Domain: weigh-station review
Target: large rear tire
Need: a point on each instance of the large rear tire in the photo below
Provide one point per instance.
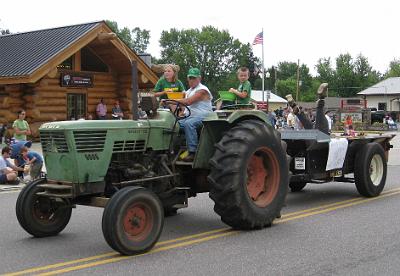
(41, 216)
(249, 176)
(133, 220)
(370, 170)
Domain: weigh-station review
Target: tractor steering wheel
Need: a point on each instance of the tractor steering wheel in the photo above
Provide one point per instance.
(176, 111)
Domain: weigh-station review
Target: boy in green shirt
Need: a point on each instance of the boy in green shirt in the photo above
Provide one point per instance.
(243, 92)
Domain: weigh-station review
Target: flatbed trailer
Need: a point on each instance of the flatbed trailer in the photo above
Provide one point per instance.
(316, 157)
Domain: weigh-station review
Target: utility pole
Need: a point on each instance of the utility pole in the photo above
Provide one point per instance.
(297, 82)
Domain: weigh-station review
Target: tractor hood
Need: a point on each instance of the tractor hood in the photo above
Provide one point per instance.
(163, 119)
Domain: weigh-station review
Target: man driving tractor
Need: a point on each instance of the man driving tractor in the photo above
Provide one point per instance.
(198, 99)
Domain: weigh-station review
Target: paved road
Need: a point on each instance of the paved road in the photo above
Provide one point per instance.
(326, 229)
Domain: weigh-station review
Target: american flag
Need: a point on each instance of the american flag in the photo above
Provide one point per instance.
(258, 39)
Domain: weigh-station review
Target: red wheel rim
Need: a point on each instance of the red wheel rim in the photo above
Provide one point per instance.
(43, 211)
(138, 221)
(263, 177)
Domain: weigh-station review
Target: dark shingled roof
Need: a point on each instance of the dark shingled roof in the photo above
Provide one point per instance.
(22, 53)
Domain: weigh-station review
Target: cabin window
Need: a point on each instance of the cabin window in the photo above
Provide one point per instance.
(91, 62)
(382, 106)
(76, 106)
(66, 64)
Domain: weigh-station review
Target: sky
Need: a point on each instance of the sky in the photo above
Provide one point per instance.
(306, 30)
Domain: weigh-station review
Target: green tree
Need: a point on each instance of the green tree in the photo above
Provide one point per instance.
(216, 53)
(287, 70)
(140, 39)
(287, 73)
(285, 87)
(136, 39)
(364, 75)
(4, 32)
(345, 80)
(325, 72)
(394, 69)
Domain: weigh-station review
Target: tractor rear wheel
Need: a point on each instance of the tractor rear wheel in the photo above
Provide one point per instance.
(370, 170)
(41, 216)
(133, 220)
(249, 176)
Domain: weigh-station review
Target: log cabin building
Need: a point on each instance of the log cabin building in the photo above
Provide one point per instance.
(62, 73)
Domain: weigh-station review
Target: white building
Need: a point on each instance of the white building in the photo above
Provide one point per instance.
(275, 102)
(384, 95)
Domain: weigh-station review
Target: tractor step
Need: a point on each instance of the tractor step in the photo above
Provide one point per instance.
(56, 190)
(55, 186)
(182, 163)
(61, 195)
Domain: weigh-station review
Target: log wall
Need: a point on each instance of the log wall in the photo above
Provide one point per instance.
(46, 100)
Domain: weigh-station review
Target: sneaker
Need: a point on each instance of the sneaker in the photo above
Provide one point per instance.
(189, 158)
(323, 91)
(290, 100)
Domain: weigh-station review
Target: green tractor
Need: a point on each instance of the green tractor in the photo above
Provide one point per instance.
(132, 169)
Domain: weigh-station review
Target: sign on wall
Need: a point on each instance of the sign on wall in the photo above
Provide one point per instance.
(355, 116)
(76, 80)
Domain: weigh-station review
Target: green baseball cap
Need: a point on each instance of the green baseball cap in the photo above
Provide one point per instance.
(194, 72)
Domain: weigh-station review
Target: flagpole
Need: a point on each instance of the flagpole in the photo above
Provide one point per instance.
(263, 68)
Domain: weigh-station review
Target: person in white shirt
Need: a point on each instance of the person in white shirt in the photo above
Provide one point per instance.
(328, 118)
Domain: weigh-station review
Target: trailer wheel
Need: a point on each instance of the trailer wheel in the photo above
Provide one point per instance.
(370, 170)
(249, 176)
(133, 220)
(41, 216)
(297, 186)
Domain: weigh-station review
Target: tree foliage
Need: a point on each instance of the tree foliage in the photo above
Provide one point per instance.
(216, 53)
(136, 39)
(286, 82)
(349, 75)
(394, 69)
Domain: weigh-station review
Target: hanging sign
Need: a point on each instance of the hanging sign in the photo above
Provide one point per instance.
(76, 80)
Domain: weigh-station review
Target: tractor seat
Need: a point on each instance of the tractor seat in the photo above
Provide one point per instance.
(149, 103)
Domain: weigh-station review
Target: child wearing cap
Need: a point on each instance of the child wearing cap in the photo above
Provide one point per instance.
(169, 82)
(34, 159)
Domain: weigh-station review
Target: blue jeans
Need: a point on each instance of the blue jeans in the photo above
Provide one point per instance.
(190, 126)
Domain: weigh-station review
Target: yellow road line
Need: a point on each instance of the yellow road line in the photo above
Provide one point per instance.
(334, 204)
(37, 269)
(160, 245)
(193, 236)
(327, 210)
(160, 249)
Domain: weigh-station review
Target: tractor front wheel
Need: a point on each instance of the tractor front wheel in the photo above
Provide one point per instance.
(133, 220)
(41, 216)
(249, 176)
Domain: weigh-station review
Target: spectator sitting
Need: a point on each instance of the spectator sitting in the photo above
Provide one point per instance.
(391, 123)
(117, 113)
(8, 173)
(34, 159)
